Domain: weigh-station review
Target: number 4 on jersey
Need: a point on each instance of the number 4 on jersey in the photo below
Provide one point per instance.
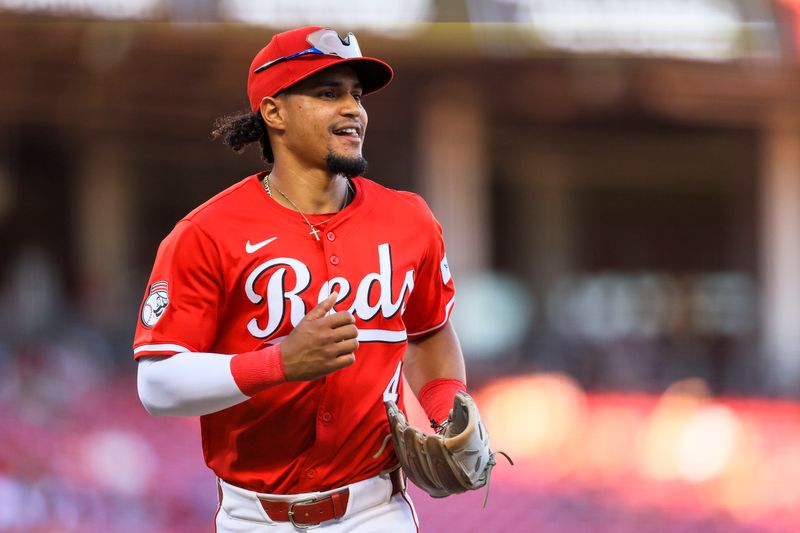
(390, 394)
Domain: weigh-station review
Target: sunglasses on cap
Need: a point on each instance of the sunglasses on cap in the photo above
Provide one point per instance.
(323, 42)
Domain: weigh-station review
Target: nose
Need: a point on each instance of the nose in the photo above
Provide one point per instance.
(351, 107)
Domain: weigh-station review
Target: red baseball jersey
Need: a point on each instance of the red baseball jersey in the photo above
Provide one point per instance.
(240, 271)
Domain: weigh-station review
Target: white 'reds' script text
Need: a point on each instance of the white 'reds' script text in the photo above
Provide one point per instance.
(279, 297)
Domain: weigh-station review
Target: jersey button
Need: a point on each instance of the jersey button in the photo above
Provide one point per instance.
(334, 260)
(310, 473)
(331, 236)
(327, 417)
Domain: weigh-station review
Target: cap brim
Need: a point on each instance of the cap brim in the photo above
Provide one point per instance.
(373, 73)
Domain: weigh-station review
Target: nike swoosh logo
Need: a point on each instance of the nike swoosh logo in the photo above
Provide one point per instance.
(251, 248)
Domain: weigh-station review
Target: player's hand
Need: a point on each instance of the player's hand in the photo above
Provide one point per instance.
(320, 344)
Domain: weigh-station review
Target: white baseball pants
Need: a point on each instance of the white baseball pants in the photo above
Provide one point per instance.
(371, 508)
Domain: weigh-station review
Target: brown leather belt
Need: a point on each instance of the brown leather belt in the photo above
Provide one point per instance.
(311, 512)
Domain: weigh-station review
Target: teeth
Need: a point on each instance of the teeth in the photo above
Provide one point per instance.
(346, 130)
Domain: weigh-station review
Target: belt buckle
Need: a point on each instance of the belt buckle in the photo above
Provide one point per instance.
(291, 514)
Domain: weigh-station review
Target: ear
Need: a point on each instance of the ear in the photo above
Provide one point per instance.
(273, 112)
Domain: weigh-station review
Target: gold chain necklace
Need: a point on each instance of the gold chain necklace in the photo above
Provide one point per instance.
(314, 231)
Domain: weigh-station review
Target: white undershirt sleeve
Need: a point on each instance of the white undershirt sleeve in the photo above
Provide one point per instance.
(187, 384)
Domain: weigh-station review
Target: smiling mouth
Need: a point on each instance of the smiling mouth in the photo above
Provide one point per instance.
(351, 132)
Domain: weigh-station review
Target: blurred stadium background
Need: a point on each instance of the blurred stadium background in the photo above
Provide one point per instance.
(619, 185)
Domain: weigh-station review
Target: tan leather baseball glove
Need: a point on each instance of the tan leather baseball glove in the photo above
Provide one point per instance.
(454, 460)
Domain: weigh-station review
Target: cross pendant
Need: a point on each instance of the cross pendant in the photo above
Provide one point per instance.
(314, 231)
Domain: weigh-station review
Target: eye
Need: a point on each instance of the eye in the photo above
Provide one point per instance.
(328, 93)
(357, 97)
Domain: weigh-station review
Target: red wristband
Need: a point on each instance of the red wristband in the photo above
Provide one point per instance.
(436, 397)
(257, 371)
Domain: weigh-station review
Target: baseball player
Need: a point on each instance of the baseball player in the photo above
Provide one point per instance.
(283, 310)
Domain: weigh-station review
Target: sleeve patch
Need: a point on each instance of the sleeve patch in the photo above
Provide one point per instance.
(156, 303)
(445, 270)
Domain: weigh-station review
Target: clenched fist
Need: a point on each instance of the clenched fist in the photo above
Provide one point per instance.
(320, 344)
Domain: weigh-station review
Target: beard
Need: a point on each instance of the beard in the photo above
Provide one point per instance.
(350, 167)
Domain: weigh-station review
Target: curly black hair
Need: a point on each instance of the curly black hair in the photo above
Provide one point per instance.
(241, 129)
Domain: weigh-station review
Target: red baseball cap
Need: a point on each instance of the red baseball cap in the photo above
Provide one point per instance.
(294, 55)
